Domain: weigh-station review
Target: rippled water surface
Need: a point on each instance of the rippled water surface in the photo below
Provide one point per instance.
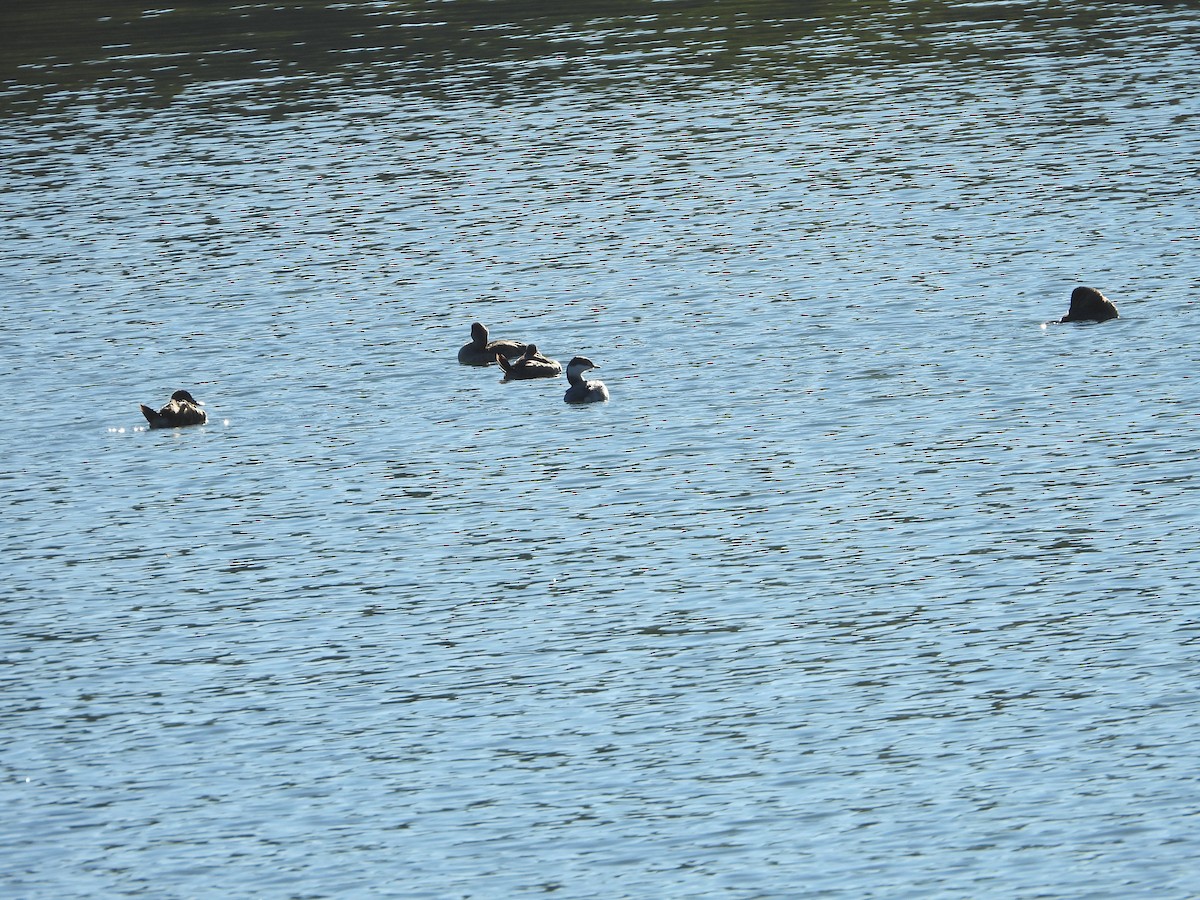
(868, 582)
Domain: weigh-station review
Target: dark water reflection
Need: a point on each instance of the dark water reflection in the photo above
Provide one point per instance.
(155, 53)
(131, 53)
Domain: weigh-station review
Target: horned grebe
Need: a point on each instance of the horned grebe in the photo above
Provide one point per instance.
(582, 391)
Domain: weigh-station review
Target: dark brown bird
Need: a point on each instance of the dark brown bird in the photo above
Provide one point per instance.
(531, 365)
(482, 352)
(1089, 305)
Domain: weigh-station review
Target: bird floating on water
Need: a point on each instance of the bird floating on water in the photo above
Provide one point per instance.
(530, 365)
(1089, 305)
(482, 352)
(582, 391)
(183, 409)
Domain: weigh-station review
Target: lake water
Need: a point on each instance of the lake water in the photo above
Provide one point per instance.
(868, 582)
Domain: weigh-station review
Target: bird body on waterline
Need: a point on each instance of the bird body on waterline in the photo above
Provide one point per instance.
(1089, 305)
(183, 409)
(530, 365)
(582, 391)
(482, 352)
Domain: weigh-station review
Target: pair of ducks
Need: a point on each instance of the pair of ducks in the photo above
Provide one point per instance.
(523, 361)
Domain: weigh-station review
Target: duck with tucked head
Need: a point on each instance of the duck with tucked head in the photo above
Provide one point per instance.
(582, 391)
(531, 365)
(1089, 305)
(482, 352)
(183, 409)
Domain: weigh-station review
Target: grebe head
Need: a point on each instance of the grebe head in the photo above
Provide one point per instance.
(578, 365)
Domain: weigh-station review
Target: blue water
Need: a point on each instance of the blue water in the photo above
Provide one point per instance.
(870, 581)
